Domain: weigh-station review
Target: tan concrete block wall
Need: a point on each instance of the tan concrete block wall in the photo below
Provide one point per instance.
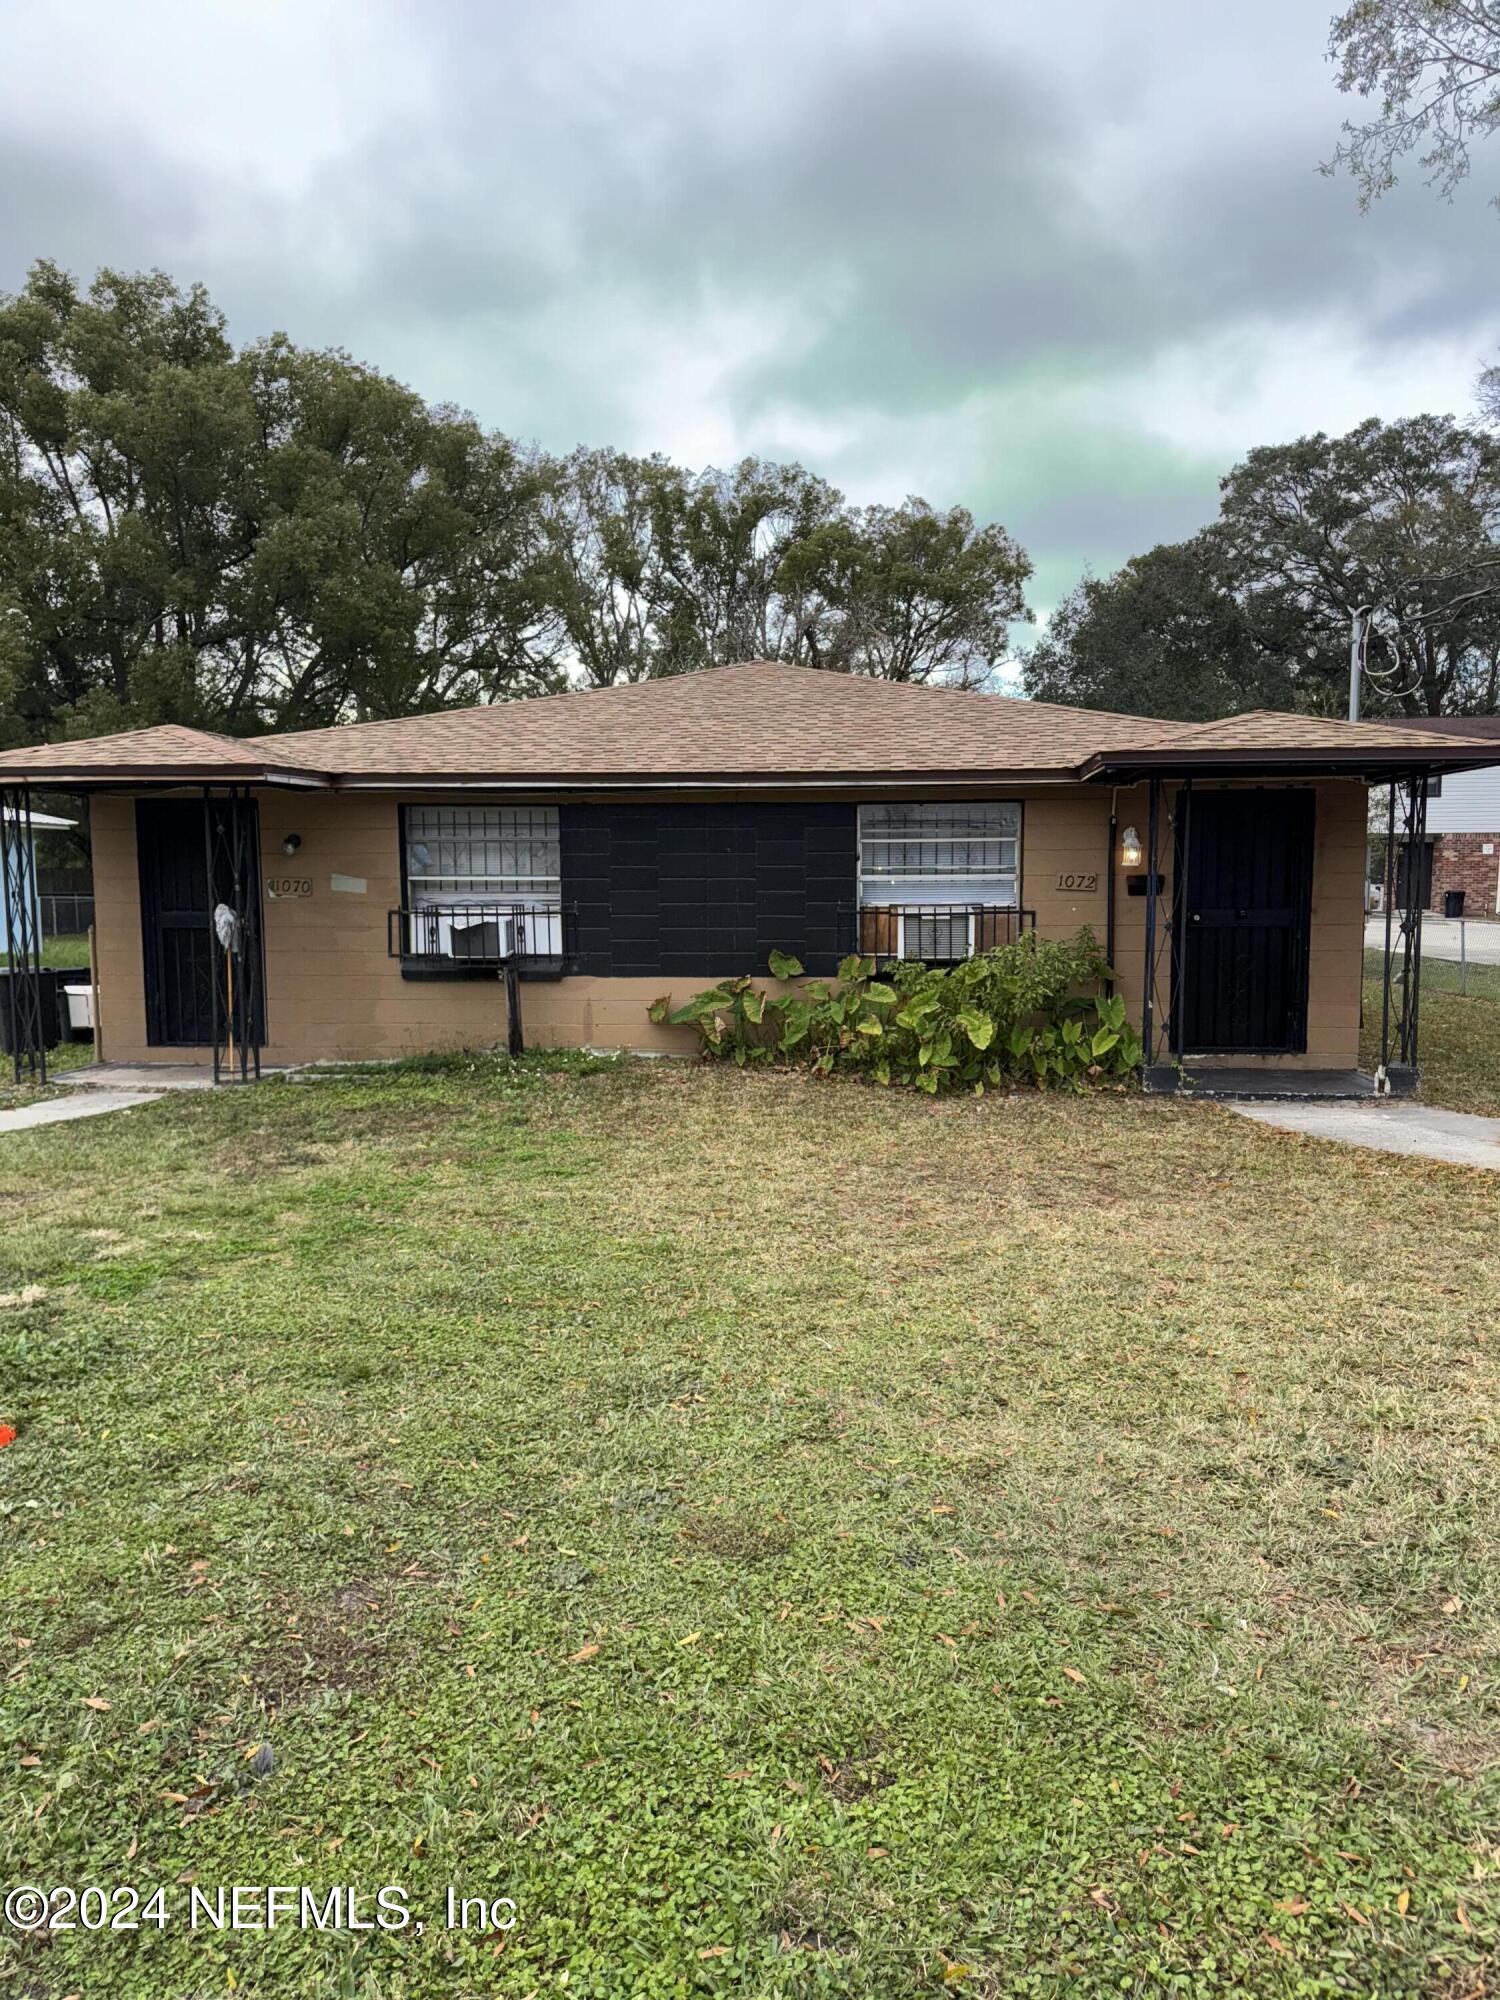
(332, 991)
(1336, 951)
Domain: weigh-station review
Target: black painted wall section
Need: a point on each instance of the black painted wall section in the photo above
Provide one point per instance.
(699, 889)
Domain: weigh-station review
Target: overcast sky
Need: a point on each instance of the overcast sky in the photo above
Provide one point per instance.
(1060, 263)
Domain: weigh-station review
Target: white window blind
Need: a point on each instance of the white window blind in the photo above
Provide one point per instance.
(953, 853)
(490, 878)
(483, 854)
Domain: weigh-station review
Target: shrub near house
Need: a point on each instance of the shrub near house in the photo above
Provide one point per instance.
(1031, 1011)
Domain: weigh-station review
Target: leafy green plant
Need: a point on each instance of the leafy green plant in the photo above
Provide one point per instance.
(1030, 1011)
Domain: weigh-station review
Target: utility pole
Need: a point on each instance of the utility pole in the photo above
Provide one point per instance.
(1358, 628)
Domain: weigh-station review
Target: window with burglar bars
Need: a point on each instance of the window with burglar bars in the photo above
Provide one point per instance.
(952, 853)
(484, 854)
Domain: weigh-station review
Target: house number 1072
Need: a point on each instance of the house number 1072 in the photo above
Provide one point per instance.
(1079, 885)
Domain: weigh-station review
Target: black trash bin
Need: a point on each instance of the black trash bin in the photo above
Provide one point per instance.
(51, 1025)
(1453, 902)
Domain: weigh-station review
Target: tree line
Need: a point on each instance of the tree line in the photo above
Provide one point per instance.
(268, 537)
(1257, 610)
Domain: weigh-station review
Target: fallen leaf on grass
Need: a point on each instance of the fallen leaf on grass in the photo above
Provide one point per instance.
(95, 1701)
(583, 1653)
(1074, 1675)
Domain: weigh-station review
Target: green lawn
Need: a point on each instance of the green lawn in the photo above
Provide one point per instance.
(1459, 1046)
(59, 951)
(794, 1539)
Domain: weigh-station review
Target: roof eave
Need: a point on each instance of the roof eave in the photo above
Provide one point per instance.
(1385, 761)
(63, 777)
(698, 781)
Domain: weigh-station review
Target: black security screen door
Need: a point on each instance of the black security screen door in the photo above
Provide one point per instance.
(1245, 866)
(176, 937)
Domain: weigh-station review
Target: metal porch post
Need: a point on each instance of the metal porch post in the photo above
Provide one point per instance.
(1389, 901)
(1148, 1004)
(213, 935)
(22, 924)
(1415, 910)
(1184, 821)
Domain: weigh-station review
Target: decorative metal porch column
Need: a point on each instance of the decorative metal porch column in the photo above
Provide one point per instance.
(1165, 939)
(1148, 963)
(28, 1036)
(1404, 848)
(232, 871)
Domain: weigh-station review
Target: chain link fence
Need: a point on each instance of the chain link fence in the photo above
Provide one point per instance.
(1459, 954)
(65, 915)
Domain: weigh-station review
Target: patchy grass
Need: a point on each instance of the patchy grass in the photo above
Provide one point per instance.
(1460, 1042)
(64, 951)
(793, 1539)
(66, 1056)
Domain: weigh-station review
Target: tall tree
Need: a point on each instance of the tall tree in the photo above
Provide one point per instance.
(274, 537)
(1398, 519)
(603, 519)
(1166, 635)
(1434, 67)
(733, 586)
(926, 595)
(242, 540)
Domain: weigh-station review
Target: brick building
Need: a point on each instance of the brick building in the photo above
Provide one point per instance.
(1463, 822)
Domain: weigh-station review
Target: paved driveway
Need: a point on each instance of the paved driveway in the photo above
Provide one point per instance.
(1444, 939)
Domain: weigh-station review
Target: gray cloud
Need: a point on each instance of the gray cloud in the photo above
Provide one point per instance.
(1061, 269)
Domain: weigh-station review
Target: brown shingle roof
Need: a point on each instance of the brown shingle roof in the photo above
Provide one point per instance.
(167, 747)
(1486, 727)
(761, 722)
(1273, 729)
(760, 719)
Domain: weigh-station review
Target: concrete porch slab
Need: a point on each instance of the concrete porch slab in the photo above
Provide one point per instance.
(151, 1077)
(1419, 1131)
(1277, 1085)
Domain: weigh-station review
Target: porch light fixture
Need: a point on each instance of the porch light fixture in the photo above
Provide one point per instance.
(1130, 848)
(292, 842)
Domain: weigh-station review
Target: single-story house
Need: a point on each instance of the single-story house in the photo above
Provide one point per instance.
(375, 889)
(18, 846)
(1462, 851)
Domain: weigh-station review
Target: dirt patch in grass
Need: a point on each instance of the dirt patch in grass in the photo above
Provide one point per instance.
(350, 1640)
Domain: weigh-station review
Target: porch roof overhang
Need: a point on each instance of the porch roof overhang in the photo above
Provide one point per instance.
(159, 777)
(1377, 764)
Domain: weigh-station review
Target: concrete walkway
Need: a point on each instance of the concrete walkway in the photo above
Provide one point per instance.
(62, 1110)
(1420, 1131)
(99, 1087)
